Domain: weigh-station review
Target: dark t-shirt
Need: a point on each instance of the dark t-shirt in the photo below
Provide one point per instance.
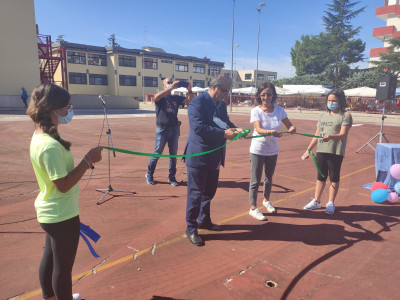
(167, 110)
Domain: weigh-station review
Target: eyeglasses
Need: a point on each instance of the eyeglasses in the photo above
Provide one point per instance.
(170, 82)
(222, 90)
(68, 107)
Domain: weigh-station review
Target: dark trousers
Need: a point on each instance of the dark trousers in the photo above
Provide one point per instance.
(201, 188)
(58, 258)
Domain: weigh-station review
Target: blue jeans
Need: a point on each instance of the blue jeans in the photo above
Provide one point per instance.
(165, 135)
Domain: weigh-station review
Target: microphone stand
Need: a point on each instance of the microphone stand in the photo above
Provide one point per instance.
(109, 141)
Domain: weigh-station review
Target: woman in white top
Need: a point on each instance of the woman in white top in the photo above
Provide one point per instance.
(267, 118)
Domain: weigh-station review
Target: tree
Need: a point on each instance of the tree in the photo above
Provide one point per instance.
(344, 49)
(60, 39)
(367, 78)
(309, 79)
(112, 41)
(390, 62)
(309, 54)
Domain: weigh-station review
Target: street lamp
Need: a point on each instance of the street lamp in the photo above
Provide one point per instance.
(258, 38)
(233, 41)
(235, 58)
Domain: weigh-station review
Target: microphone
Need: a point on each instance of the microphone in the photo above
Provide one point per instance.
(102, 100)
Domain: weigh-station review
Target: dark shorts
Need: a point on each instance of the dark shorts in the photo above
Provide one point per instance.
(329, 164)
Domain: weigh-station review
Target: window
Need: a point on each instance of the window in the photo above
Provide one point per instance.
(127, 61)
(247, 76)
(97, 60)
(271, 77)
(127, 80)
(98, 79)
(150, 81)
(182, 67)
(199, 83)
(199, 69)
(150, 63)
(76, 57)
(77, 78)
(260, 76)
(215, 71)
(164, 61)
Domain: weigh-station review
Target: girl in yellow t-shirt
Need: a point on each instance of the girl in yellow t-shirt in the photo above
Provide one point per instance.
(57, 203)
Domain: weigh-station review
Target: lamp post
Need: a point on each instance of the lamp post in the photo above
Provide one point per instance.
(258, 39)
(236, 46)
(233, 41)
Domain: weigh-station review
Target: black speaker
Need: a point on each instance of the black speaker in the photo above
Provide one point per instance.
(386, 88)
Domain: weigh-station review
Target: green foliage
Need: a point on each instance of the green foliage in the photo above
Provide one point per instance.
(331, 52)
(309, 55)
(309, 79)
(367, 78)
(112, 41)
(390, 62)
(60, 39)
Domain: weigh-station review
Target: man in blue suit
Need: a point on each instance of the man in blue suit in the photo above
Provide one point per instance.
(203, 170)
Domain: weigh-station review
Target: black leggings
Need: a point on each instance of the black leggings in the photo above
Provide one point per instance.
(329, 162)
(58, 258)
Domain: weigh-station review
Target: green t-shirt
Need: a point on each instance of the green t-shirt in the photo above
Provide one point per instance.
(331, 124)
(50, 161)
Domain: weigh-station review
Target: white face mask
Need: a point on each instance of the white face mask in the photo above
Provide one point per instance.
(168, 86)
(67, 118)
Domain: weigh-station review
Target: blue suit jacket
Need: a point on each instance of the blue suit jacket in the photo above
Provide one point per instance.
(204, 134)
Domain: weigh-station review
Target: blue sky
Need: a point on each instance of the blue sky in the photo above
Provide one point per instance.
(200, 28)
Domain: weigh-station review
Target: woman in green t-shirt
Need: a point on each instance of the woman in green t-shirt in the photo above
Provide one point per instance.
(333, 126)
(57, 203)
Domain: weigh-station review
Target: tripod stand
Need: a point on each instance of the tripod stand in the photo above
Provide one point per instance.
(109, 141)
(380, 133)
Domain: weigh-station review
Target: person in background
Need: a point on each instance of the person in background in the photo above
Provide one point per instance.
(333, 126)
(167, 127)
(267, 118)
(57, 203)
(203, 171)
(24, 96)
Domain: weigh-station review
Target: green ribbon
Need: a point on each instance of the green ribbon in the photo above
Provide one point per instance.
(269, 134)
(240, 134)
(315, 163)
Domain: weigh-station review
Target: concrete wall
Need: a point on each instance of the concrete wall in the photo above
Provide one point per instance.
(19, 62)
(93, 101)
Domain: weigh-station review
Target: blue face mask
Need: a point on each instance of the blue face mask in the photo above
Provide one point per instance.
(67, 118)
(332, 106)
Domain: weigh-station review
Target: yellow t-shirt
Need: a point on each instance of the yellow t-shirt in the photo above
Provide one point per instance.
(50, 161)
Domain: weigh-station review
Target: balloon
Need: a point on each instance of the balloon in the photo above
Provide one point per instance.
(395, 171)
(397, 187)
(380, 195)
(378, 185)
(393, 197)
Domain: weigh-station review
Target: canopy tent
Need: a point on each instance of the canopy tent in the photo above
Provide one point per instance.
(179, 90)
(245, 91)
(281, 91)
(361, 92)
(398, 92)
(306, 90)
(197, 89)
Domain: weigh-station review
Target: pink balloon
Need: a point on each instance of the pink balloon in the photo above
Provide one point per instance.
(378, 185)
(393, 197)
(395, 171)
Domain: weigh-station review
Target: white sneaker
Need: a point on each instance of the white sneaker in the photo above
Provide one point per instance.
(76, 297)
(330, 208)
(312, 205)
(256, 214)
(269, 207)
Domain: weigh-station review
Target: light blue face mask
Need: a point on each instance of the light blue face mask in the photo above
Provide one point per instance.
(333, 106)
(67, 118)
